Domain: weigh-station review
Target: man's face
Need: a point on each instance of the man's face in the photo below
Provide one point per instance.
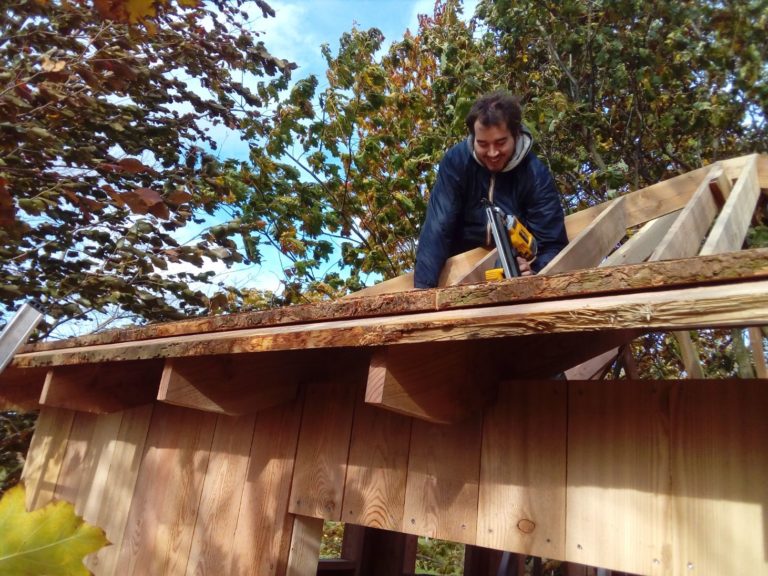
(494, 145)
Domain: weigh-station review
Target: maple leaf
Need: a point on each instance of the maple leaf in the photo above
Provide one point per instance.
(52, 540)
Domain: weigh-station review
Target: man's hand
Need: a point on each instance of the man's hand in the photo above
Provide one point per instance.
(524, 266)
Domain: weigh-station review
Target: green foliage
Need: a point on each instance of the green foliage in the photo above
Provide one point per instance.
(16, 430)
(621, 97)
(102, 130)
(52, 540)
(618, 98)
(439, 557)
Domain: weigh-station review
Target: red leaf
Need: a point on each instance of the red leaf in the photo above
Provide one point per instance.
(7, 209)
(133, 166)
(141, 200)
(179, 197)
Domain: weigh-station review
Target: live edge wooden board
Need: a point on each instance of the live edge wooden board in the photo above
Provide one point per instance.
(219, 445)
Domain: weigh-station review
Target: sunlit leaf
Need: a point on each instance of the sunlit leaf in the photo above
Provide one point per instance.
(52, 540)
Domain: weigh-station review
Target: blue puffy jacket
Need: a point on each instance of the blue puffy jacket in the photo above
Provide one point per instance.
(456, 219)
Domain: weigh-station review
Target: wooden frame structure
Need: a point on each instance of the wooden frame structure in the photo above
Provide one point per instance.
(219, 445)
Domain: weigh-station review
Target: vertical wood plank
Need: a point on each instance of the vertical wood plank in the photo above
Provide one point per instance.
(667, 477)
(162, 518)
(263, 534)
(374, 491)
(93, 483)
(73, 466)
(212, 540)
(323, 450)
(441, 493)
(719, 470)
(46, 455)
(618, 475)
(305, 546)
(522, 473)
(109, 505)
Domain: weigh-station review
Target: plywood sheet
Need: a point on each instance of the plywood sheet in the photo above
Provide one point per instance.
(263, 534)
(443, 477)
(522, 474)
(374, 490)
(163, 512)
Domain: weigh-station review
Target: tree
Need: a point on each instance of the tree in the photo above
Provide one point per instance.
(621, 97)
(347, 168)
(106, 150)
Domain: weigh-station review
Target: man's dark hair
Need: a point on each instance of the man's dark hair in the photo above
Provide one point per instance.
(495, 109)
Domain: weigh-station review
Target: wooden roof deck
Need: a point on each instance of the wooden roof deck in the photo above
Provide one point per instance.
(280, 411)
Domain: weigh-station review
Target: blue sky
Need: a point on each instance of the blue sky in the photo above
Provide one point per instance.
(296, 33)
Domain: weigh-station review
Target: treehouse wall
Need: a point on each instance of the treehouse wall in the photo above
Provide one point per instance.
(647, 477)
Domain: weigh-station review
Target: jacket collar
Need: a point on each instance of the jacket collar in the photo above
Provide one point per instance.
(523, 146)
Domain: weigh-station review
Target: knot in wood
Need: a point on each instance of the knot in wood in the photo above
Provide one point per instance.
(526, 526)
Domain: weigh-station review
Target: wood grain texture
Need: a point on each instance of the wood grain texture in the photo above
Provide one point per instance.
(233, 385)
(437, 382)
(74, 464)
(593, 243)
(732, 224)
(441, 494)
(723, 305)
(642, 243)
(522, 473)
(716, 268)
(212, 540)
(305, 546)
(374, 489)
(684, 237)
(455, 270)
(102, 389)
(20, 389)
(109, 500)
(668, 474)
(719, 466)
(321, 457)
(46, 455)
(263, 535)
(618, 477)
(161, 522)
(666, 196)
(641, 206)
(592, 367)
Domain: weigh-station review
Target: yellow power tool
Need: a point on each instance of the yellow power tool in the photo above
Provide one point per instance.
(512, 239)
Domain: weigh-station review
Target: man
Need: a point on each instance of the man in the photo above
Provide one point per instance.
(494, 163)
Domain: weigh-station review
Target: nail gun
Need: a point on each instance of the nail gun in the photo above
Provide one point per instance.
(512, 239)
(18, 330)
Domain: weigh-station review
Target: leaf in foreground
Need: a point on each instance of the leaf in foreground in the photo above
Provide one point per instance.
(52, 540)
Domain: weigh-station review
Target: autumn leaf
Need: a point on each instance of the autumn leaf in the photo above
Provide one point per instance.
(133, 166)
(141, 200)
(52, 540)
(7, 209)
